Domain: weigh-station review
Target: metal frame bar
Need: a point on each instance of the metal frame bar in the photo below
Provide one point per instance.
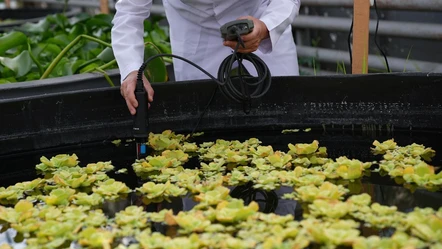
(415, 5)
(156, 8)
(390, 28)
(374, 61)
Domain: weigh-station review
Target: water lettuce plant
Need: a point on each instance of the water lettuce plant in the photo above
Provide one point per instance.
(159, 192)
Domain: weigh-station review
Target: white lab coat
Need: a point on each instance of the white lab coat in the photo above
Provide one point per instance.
(195, 35)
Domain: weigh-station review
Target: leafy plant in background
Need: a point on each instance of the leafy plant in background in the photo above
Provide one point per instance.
(57, 46)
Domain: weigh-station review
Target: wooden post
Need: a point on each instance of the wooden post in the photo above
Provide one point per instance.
(361, 32)
(104, 6)
(8, 4)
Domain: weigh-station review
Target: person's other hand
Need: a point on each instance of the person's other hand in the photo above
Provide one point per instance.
(253, 39)
(128, 91)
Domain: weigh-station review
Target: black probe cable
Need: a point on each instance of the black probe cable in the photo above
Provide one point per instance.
(376, 37)
(224, 81)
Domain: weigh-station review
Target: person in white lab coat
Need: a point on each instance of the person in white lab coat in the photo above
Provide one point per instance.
(194, 34)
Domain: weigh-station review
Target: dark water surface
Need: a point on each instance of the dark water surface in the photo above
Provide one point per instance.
(340, 141)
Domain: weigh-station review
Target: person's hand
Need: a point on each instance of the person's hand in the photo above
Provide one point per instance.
(128, 91)
(253, 39)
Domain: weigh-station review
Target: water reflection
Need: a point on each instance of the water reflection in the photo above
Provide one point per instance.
(404, 199)
(10, 237)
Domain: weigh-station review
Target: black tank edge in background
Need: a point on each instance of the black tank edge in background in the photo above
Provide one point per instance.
(20, 16)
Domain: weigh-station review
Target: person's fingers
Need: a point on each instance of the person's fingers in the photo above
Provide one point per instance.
(231, 44)
(149, 90)
(129, 95)
(250, 47)
(249, 43)
(130, 107)
(129, 100)
(246, 51)
(250, 36)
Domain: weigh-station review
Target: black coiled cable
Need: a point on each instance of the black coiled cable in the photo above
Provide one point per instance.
(242, 94)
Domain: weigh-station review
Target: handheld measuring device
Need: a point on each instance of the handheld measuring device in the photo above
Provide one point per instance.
(141, 120)
(231, 30)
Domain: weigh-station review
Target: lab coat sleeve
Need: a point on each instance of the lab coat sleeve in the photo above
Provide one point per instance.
(278, 15)
(127, 34)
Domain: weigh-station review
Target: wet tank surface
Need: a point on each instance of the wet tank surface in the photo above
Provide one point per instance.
(343, 141)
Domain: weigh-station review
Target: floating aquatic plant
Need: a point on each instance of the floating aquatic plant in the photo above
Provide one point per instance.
(261, 151)
(12, 194)
(56, 162)
(167, 140)
(99, 167)
(84, 199)
(92, 237)
(331, 234)
(303, 148)
(189, 222)
(397, 240)
(158, 192)
(212, 197)
(73, 179)
(153, 164)
(348, 169)
(424, 224)
(133, 216)
(286, 131)
(185, 178)
(122, 171)
(216, 166)
(111, 189)
(408, 164)
(59, 196)
(266, 181)
(279, 160)
(236, 177)
(234, 211)
(327, 191)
